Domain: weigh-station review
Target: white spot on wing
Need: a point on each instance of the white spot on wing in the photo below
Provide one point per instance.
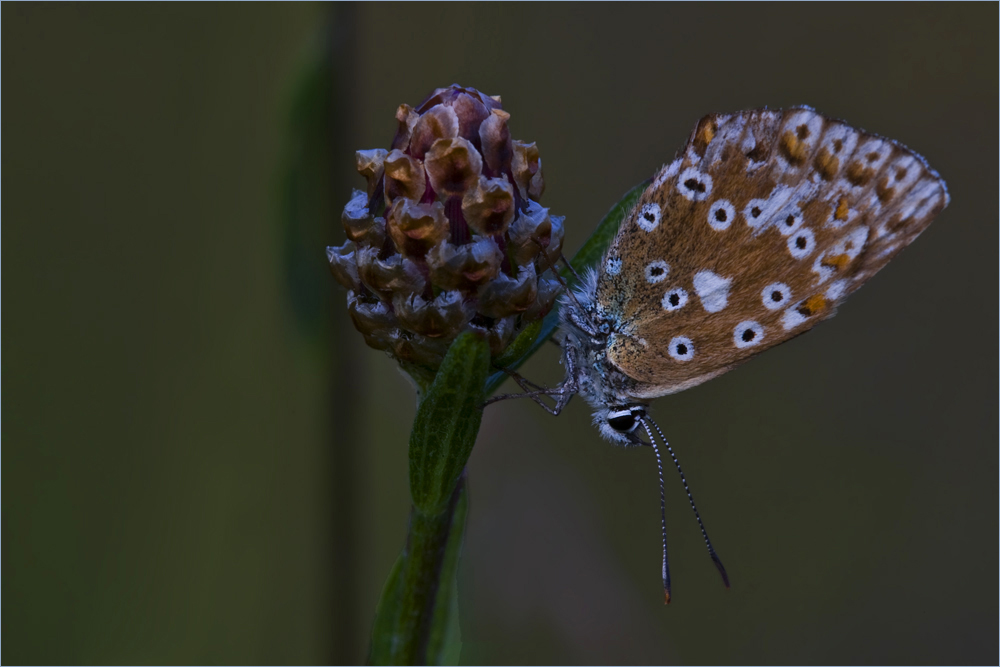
(801, 243)
(613, 266)
(681, 348)
(649, 216)
(694, 185)
(674, 299)
(656, 271)
(759, 212)
(836, 289)
(721, 215)
(775, 295)
(792, 318)
(712, 289)
(789, 219)
(747, 334)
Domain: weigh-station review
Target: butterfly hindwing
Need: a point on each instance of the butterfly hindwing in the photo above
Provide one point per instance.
(756, 232)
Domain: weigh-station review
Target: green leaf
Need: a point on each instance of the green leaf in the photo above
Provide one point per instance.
(587, 257)
(446, 424)
(519, 346)
(387, 617)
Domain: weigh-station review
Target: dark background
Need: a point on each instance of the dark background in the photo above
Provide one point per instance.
(202, 462)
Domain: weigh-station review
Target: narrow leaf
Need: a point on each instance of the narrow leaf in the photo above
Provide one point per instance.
(387, 617)
(519, 346)
(447, 422)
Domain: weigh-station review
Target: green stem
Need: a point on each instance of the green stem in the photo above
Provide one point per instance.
(425, 592)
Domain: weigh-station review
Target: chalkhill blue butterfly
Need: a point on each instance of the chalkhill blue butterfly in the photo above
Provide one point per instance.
(758, 230)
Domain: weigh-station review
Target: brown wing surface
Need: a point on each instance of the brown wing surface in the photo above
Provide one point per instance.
(764, 224)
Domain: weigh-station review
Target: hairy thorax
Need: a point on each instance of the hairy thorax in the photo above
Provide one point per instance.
(586, 335)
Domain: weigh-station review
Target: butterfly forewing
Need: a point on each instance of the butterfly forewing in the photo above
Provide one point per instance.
(761, 227)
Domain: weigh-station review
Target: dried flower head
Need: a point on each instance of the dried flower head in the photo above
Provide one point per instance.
(448, 235)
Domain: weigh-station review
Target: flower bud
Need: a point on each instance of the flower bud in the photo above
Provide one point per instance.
(453, 166)
(416, 349)
(393, 275)
(416, 228)
(508, 296)
(527, 168)
(449, 236)
(359, 225)
(548, 292)
(407, 118)
(442, 317)
(499, 335)
(489, 207)
(404, 177)
(372, 318)
(343, 265)
(529, 234)
(495, 140)
(441, 122)
(466, 266)
(371, 165)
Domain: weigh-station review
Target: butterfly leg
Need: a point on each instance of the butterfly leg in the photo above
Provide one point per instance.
(560, 394)
(570, 267)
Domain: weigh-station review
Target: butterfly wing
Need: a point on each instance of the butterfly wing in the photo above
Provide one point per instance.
(764, 224)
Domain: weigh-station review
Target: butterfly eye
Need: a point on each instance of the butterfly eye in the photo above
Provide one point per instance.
(747, 333)
(613, 266)
(681, 348)
(622, 421)
(694, 185)
(649, 217)
(674, 299)
(721, 215)
(657, 272)
(801, 243)
(775, 295)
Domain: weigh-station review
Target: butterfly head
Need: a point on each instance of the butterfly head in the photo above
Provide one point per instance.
(618, 424)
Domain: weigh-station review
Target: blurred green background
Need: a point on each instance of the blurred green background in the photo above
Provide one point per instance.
(202, 462)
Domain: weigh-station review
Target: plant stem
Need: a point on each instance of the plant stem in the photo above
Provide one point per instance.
(423, 588)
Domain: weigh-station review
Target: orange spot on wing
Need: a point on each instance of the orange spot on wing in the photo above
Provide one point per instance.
(813, 305)
(837, 261)
(704, 135)
(793, 148)
(826, 164)
(858, 174)
(841, 212)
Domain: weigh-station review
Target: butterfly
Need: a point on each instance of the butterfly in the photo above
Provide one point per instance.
(758, 230)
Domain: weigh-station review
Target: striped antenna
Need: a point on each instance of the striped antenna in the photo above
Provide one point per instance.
(708, 543)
